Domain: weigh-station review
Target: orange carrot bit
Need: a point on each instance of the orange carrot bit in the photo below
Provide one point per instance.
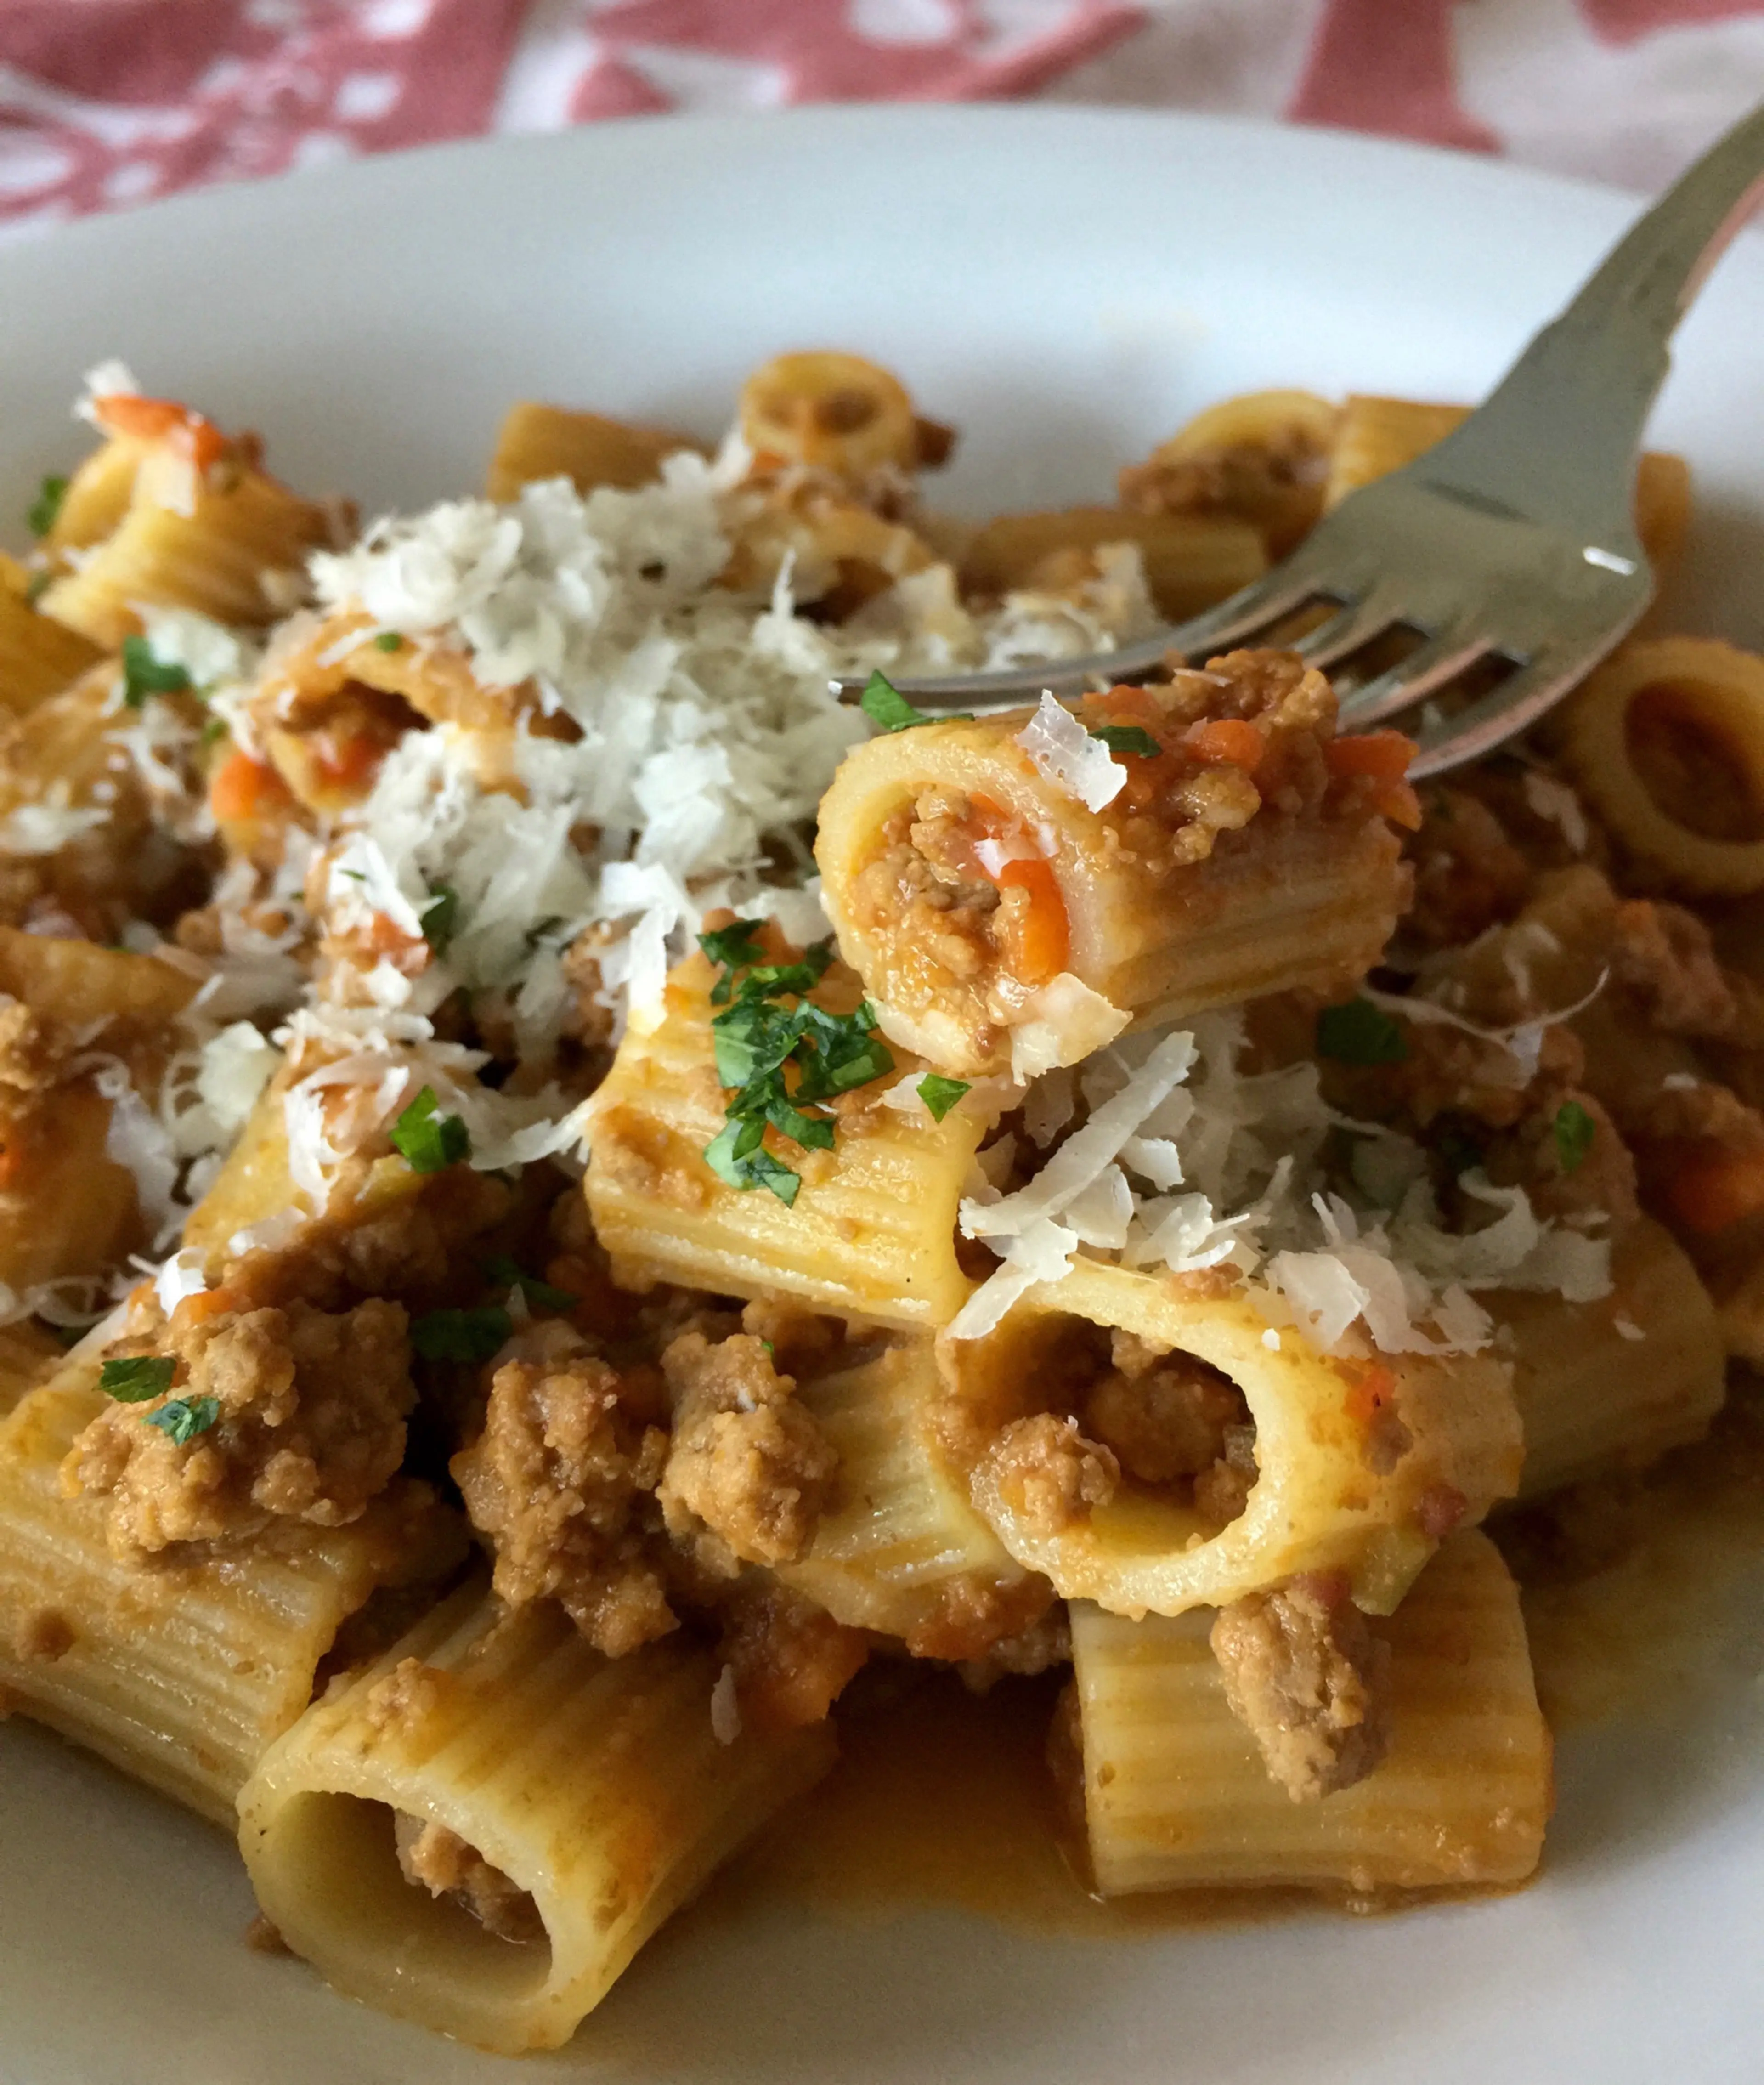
(14, 1159)
(1380, 756)
(162, 419)
(1383, 755)
(244, 788)
(1225, 742)
(350, 762)
(1707, 1189)
(1370, 1388)
(1042, 931)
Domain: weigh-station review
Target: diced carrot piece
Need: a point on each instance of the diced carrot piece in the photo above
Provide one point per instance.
(1401, 806)
(1044, 933)
(1707, 1189)
(161, 419)
(244, 788)
(1370, 1389)
(1383, 755)
(348, 763)
(1225, 742)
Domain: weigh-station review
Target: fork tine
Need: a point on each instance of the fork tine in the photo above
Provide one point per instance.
(1412, 680)
(1252, 607)
(1358, 621)
(1507, 710)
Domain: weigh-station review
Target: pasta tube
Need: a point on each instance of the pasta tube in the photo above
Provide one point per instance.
(538, 441)
(1619, 1381)
(85, 1033)
(171, 513)
(901, 1548)
(1175, 1795)
(871, 1231)
(581, 1800)
(1263, 458)
(181, 1674)
(1237, 848)
(1667, 740)
(1358, 1466)
(1381, 435)
(39, 656)
(1190, 561)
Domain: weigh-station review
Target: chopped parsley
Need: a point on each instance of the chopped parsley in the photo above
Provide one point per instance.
(884, 704)
(940, 1094)
(133, 1380)
(214, 730)
(1128, 738)
(428, 1141)
(1574, 1129)
(1359, 1033)
(460, 1335)
(767, 1029)
(143, 674)
(506, 1272)
(183, 1418)
(47, 505)
(37, 585)
(439, 918)
(387, 641)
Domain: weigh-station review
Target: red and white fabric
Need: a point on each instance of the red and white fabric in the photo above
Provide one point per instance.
(105, 104)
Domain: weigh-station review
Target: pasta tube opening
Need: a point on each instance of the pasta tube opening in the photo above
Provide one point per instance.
(1666, 741)
(1232, 1456)
(574, 1800)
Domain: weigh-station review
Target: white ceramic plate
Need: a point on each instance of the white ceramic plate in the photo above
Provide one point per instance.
(1067, 286)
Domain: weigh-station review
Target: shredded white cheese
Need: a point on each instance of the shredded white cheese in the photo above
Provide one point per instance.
(1068, 756)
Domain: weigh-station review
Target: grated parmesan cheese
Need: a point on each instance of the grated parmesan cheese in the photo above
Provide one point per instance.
(1376, 1267)
(1068, 756)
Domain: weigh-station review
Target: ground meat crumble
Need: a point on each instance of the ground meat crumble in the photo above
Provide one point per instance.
(560, 1481)
(748, 1469)
(311, 1427)
(441, 1861)
(1307, 1677)
(1045, 1471)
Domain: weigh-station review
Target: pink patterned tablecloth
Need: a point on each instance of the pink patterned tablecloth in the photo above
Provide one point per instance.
(105, 103)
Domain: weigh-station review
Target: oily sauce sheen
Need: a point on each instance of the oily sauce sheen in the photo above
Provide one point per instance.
(1634, 1595)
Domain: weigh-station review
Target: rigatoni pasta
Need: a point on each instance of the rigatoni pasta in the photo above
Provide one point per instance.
(579, 1330)
(180, 1676)
(1360, 1467)
(1174, 1796)
(1012, 891)
(601, 1791)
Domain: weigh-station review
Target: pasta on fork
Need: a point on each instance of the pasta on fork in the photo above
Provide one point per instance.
(577, 1216)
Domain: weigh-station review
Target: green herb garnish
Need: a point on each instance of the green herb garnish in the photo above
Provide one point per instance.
(430, 1142)
(1574, 1129)
(144, 674)
(884, 704)
(767, 1030)
(460, 1335)
(439, 918)
(940, 1094)
(387, 641)
(183, 1418)
(504, 1271)
(1128, 738)
(36, 586)
(133, 1380)
(47, 505)
(214, 730)
(1359, 1033)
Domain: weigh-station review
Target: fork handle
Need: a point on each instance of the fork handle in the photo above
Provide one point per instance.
(1558, 438)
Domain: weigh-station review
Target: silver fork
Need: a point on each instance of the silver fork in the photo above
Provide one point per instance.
(1511, 541)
